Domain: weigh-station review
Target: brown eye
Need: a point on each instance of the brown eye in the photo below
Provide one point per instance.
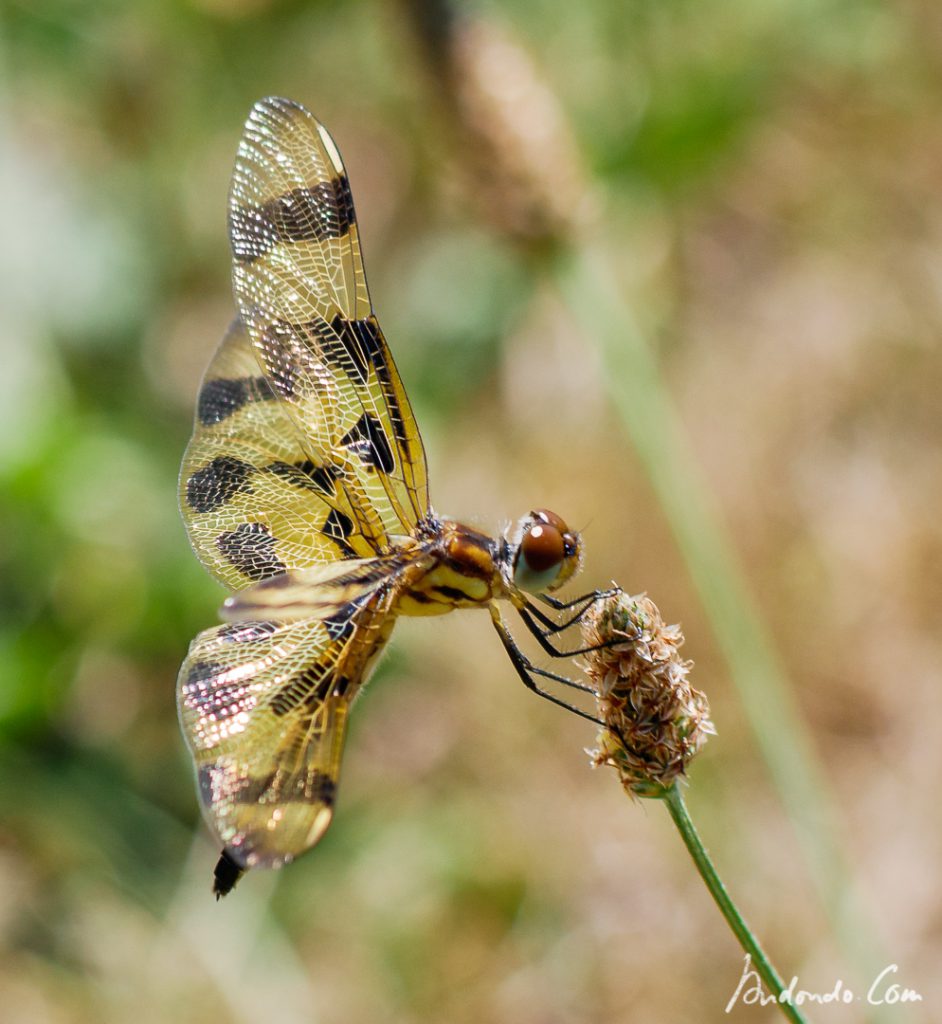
(545, 516)
(542, 547)
(547, 554)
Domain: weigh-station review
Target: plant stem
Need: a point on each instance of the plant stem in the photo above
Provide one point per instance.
(596, 297)
(750, 944)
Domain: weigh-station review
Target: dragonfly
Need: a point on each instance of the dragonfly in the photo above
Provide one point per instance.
(304, 491)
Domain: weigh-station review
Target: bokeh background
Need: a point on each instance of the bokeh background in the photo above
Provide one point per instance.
(672, 269)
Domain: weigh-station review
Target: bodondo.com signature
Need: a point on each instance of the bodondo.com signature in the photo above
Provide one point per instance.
(884, 990)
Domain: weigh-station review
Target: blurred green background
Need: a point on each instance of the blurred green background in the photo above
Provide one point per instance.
(763, 184)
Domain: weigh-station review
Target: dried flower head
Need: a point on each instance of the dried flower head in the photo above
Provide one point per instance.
(655, 721)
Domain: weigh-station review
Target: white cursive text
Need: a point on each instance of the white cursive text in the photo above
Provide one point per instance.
(882, 992)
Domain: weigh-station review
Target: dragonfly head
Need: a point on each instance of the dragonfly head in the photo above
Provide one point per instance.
(546, 552)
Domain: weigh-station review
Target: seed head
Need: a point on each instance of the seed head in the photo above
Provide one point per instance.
(655, 721)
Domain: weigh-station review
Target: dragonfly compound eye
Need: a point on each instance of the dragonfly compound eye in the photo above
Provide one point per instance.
(548, 553)
(542, 547)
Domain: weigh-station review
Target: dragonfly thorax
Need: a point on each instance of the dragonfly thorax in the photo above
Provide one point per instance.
(461, 569)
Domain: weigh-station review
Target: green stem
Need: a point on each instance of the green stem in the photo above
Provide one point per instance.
(750, 944)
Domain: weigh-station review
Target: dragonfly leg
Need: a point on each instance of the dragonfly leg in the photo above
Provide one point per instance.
(550, 625)
(543, 627)
(528, 671)
(594, 595)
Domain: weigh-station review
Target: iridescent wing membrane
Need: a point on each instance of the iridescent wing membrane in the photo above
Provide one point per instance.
(305, 452)
(255, 498)
(299, 284)
(305, 447)
(264, 707)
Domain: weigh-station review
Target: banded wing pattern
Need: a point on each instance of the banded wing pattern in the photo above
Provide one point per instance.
(304, 472)
(264, 708)
(301, 291)
(254, 500)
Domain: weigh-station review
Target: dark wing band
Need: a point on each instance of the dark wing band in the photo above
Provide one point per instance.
(299, 283)
(264, 710)
(256, 498)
